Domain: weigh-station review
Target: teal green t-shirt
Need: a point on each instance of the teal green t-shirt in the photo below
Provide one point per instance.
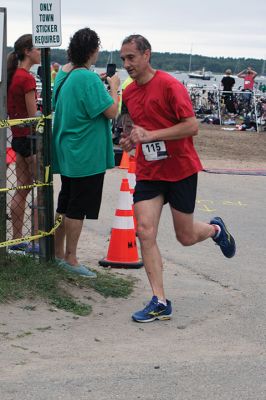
(82, 138)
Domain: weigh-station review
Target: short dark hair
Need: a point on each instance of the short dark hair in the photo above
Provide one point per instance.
(141, 42)
(82, 45)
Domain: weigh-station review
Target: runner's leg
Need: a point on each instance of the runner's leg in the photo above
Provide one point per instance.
(148, 214)
(18, 203)
(188, 231)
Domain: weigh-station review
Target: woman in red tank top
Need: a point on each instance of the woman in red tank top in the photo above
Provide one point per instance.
(21, 103)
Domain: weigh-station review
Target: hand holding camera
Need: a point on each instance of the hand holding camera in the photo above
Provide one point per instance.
(113, 82)
(112, 79)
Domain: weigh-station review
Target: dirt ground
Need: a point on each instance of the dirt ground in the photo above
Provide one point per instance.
(220, 148)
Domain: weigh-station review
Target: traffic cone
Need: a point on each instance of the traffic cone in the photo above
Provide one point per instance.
(131, 176)
(124, 164)
(10, 156)
(123, 251)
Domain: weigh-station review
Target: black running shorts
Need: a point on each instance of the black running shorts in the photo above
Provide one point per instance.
(181, 195)
(24, 146)
(81, 198)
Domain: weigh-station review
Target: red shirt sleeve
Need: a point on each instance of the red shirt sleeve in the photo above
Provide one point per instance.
(29, 84)
(180, 101)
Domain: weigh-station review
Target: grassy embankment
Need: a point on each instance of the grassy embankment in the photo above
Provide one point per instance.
(23, 277)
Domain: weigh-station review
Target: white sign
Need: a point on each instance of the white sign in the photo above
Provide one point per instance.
(46, 23)
(2, 20)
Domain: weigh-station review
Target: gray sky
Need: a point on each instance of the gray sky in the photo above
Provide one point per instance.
(213, 28)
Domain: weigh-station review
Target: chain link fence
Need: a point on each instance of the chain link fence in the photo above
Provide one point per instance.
(18, 213)
(28, 191)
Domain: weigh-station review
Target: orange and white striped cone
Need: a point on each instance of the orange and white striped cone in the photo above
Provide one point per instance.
(131, 176)
(123, 251)
(124, 164)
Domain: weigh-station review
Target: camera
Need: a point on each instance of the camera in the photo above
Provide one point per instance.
(110, 70)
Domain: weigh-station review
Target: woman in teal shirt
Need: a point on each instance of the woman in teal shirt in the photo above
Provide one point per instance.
(82, 143)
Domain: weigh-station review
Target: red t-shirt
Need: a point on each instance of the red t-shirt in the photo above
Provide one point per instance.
(22, 83)
(249, 82)
(159, 104)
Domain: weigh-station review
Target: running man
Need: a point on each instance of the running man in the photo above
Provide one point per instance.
(167, 167)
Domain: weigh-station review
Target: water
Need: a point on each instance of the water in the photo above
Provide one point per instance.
(213, 83)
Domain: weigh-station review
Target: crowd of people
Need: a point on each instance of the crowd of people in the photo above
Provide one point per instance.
(167, 164)
(228, 82)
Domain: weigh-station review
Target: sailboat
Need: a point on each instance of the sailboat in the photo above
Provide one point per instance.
(200, 74)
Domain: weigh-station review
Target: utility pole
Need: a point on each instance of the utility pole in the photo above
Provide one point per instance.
(48, 17)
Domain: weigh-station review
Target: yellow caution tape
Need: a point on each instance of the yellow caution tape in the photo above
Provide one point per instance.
(34, 237)
(37, 184)
(8, 123)
(47, 173)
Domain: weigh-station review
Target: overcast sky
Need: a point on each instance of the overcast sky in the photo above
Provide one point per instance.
(210, 27)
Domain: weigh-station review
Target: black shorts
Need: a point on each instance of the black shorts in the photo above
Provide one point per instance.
(181, 195)
(25, 146)
(81, 198)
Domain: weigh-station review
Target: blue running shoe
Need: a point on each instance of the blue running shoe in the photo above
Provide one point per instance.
(225, 240)
(154, 310)
(19, 247)
(33, 248)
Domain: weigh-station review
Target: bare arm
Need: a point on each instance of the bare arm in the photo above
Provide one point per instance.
(31, 105)
(114, 83)
(185, 128)
(241, 74)
(254, 73)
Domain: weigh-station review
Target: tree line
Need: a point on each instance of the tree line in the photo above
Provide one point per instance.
(173, 61)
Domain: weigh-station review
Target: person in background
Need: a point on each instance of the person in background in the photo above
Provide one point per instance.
(126, 82)
(228, 82)
(249, 76)
(21, 103)
(249, 80)
(166, 169)
(54, 72)
(40, 72)
(82, 143)
(262, 87)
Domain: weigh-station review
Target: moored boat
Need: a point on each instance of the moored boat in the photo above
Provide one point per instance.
(201, 74)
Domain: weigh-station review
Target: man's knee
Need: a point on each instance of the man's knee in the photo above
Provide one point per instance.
(145, 232)
(185, 238)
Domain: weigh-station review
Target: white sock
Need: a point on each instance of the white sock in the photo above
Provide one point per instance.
(218, 231)
(162, 302)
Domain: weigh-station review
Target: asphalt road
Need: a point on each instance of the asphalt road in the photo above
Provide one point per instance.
(212, 349)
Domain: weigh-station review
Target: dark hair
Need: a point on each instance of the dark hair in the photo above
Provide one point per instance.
(23, 43)
(141, 42)
(82, 45)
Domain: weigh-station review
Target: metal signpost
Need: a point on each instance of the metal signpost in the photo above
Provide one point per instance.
(46, 33)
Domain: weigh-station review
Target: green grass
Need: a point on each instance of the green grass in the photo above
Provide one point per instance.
(23, 277)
